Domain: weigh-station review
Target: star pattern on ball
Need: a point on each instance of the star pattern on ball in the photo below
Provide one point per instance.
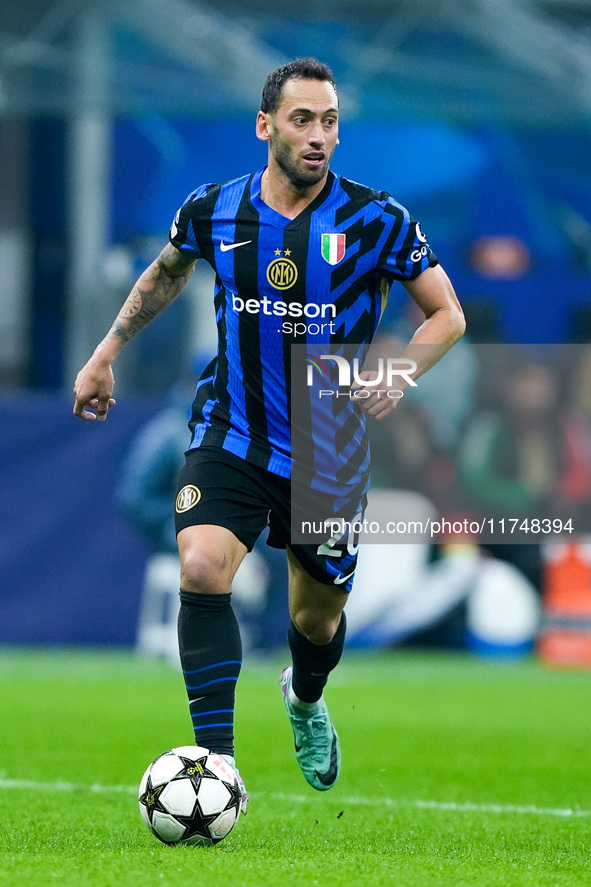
(193, 770)
(151, 798)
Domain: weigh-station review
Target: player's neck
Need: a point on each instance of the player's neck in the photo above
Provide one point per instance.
(281, 195)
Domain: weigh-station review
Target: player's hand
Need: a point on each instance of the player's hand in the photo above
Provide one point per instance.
(379, 401)
(93, 389)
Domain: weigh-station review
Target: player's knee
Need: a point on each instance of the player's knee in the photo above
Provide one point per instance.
(204, 571)
(317, 627)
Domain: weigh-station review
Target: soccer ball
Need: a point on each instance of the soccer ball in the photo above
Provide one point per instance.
(190, 795)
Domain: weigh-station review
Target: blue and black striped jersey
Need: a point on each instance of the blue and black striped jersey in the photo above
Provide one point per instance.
(320, 280)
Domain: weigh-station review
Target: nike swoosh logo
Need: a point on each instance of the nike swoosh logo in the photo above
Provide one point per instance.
(331, 774)
(340, 579)
(227, 246)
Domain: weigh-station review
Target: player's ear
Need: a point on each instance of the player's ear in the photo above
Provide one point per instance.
(264, 127)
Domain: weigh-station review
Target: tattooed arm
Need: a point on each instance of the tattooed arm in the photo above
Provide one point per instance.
(155, 289)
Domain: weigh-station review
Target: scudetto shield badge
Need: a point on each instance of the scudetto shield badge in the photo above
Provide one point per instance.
(333, 248)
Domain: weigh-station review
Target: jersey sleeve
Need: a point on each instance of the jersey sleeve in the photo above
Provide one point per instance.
(183, 231)
(409, 254)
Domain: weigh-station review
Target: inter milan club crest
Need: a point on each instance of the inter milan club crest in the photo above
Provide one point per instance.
(333, 248)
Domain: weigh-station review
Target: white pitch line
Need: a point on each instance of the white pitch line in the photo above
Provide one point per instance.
(446, 806)
(352, 801)
(60, 786)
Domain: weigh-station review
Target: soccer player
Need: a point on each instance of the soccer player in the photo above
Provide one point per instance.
(300, 255)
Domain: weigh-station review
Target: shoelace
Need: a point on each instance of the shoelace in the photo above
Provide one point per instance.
(314, 725)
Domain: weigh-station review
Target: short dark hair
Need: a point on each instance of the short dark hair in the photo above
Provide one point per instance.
(306, 68)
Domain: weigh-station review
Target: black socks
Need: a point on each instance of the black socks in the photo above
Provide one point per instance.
(211, 657)
(312, 663)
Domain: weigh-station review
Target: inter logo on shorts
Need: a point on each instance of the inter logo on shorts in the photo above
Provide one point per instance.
(282, 273)
(187, 498)
(333, 247)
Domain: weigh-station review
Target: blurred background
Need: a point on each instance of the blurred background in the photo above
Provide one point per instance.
(475, 114)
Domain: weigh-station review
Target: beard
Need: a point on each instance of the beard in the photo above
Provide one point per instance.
(300, 178)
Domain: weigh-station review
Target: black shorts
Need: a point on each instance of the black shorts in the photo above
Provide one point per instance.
(216, 487)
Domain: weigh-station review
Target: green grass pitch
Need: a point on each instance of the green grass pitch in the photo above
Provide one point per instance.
(455, 772)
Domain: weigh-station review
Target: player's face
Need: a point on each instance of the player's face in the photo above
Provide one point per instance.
(304, 131)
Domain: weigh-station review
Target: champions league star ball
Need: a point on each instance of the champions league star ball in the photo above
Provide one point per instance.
(190, 795)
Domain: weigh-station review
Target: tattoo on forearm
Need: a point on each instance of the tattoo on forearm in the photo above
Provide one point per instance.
(133, 305)
(152, 293)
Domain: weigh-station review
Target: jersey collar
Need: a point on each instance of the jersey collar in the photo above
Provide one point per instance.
(272, 215)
